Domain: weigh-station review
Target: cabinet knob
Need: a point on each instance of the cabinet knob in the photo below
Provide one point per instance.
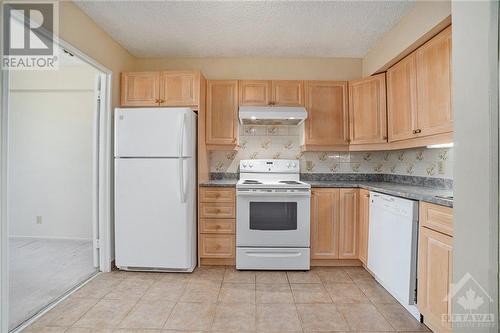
(217, 195)
(161, 101)
(417, 131)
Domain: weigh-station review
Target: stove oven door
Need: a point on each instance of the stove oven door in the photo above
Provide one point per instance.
(270, 218)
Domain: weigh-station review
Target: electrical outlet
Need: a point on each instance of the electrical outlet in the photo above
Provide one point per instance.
(38, 219)
(441, 167)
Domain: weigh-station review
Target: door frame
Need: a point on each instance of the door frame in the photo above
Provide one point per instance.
(104, 190)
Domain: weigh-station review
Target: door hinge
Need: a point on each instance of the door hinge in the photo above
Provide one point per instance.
(97, 243)
(415, 295)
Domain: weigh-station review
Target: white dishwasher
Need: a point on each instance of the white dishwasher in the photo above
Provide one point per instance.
(392, 247)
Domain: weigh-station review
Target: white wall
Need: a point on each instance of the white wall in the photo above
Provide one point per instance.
(475, 99)
(51, 152)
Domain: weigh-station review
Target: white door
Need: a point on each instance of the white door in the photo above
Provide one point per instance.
(154, 132)
(153, 221)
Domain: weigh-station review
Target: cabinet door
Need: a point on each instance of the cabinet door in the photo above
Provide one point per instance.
(256, 93)
(367, 110)
(140, 89)
(348, 233)
(179, 88)
(434, 277)
(434, 104)
(364, 218)
(222, 112)
(287, 93)
(402, 99)
(324, 223)
(327, 119)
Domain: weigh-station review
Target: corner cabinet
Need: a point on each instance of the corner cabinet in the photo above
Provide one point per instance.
(166, 88)
(435, 259)
(222, 114)
(326, 126)
(367, 110)
(334, 223)
(269, 93)
(419, 91)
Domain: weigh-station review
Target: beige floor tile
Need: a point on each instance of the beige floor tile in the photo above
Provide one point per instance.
(233, 275)
(277, 318)
(191, 316)
(310, 293)
(176, 277)
(303, 277)
(89, 330)
(358, 273)
(321, 317)
(136, 330)
(275, 293)
(364, 317)
(208, 273)
(130, 289)
(66, 313)
(165, 290)
(375, 292)
(148, 314)
(234, 318)
(139, 275)
(97, 288)
(342, 293)
(237, 293)
(46, 330)
(271, 277)
(106, 314)
(400, 318)
(332, 274)
(201, 291)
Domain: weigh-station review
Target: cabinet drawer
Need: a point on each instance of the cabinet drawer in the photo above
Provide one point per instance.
(224, 210)
(436, 217)
(217, 226)
(217, 195)
(217, 246)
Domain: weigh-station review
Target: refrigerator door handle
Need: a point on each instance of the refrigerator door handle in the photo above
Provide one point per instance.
(181, 160)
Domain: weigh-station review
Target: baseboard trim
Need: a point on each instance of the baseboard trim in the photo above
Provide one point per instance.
(335, 262)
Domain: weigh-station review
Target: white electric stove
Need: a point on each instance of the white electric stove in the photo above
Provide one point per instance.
(273, 216)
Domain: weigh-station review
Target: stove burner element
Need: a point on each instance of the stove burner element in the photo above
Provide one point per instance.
(252, 182)
(289, 182)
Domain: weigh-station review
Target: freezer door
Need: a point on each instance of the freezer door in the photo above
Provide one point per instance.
(155, 132)
(154, 214)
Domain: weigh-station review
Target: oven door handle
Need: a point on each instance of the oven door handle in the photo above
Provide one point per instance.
(274, 194)
(273, 254)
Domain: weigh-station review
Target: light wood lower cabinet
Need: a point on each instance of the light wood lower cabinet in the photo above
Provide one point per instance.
(334, 223)
(364, 219)
(217, 226)
(435, 258)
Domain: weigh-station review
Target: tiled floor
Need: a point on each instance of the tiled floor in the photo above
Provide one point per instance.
(225, 300)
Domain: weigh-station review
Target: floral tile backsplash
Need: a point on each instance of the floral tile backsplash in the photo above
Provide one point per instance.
(283, 142)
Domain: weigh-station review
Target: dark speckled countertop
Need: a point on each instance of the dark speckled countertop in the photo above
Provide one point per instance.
(414, 192)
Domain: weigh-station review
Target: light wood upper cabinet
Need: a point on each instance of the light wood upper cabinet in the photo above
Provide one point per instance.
(140, 89)
(364, 218)
(256, 92)
(327, 121)
(222, 112)
(367, 110)
(179, 88)
(434, 77)
(348, 231)
(287, 93)
(434, 278)
(402, 99)
(324, 223)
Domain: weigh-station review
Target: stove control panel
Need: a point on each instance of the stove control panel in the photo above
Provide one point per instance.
(270, 166)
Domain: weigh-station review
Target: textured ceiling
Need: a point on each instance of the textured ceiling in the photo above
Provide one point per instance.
(247, 28)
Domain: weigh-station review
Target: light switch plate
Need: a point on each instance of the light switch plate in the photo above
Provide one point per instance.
(441, 167)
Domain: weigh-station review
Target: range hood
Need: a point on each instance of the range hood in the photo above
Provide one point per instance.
(272, 115)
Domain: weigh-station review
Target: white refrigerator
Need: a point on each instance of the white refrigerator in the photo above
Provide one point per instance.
(155, 189)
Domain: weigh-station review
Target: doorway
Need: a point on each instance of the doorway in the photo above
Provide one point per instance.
(58, 190)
